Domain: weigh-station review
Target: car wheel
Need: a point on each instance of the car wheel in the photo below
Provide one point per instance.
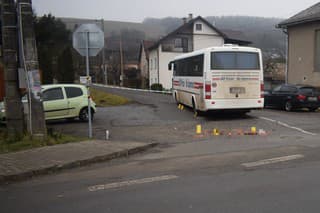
(84, 115)
(288, 106)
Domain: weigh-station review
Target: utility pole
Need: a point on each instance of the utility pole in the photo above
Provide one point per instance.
(104, 70)
(29, 62)
(14, 108)
(121, 62)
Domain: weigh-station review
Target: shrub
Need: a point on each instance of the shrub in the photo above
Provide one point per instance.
(158, 87)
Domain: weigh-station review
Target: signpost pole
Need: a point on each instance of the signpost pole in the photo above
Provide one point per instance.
(88, 40)
(88, 84)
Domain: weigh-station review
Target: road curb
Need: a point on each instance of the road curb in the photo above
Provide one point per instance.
(133, 89)
(6, 179)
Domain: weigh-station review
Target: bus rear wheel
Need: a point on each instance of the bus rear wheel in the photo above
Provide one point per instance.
(194, 108)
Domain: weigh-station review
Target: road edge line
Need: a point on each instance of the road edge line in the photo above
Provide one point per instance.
(127, 183)
(272, 160)
(288, 126)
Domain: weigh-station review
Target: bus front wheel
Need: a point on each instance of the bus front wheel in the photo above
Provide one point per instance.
(176, 98)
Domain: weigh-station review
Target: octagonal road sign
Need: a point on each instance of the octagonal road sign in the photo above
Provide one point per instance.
(91, 33)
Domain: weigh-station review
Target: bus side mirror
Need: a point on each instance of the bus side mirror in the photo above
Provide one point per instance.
(171, 65)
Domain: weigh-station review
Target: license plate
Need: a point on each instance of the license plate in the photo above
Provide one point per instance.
(237, 90)
(312, 98)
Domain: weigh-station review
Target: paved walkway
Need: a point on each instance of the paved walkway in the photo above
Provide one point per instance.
(25, 164)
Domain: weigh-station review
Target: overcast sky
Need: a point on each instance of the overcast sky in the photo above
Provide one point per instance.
(137, 10)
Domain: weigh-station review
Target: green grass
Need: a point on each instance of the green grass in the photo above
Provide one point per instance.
(104, 99)
(26, 142)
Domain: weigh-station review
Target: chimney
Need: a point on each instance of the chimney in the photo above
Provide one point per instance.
(184, 20)
(190, 17)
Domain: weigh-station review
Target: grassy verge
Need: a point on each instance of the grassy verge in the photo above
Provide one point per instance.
(104, 99)
(26, 142)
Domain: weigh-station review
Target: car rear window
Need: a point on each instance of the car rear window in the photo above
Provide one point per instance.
(73, 92)
(308, 90)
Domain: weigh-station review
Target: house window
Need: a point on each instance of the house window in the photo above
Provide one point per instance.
(198, 27)
(151, 64)
(155, 63)
(181, 43)
(178, 42)
(317, 52)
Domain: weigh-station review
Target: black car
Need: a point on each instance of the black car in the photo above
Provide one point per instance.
(289, 97)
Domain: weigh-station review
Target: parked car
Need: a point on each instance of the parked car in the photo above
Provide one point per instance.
(62, 101)
(289, 97)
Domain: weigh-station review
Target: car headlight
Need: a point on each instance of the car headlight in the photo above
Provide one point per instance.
(3, 110)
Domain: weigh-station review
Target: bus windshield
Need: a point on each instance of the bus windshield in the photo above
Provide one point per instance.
(235, 61)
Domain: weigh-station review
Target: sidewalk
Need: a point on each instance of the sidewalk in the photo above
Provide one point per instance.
(26, 164)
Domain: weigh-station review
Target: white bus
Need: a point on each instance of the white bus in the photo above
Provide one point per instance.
(219, 78)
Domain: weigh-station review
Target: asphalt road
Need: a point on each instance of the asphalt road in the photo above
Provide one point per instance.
(274, 172)
(207, 183)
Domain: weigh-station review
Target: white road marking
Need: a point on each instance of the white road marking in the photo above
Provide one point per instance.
(288, 126)
(272, 160)
(131, 182)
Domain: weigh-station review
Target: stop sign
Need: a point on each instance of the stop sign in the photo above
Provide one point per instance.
(90, 33)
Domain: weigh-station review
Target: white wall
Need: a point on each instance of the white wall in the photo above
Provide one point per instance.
(153, 71)
(165, 74)
(204, 41)
(207, 37)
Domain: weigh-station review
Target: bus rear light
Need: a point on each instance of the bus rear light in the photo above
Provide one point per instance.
(213, 102)
(261, 90)
(208, 90)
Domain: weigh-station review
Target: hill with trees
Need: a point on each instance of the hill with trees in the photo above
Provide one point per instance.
(260, 31)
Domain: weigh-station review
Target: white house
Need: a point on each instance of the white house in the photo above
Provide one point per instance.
(193, 35)
(144, 63)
